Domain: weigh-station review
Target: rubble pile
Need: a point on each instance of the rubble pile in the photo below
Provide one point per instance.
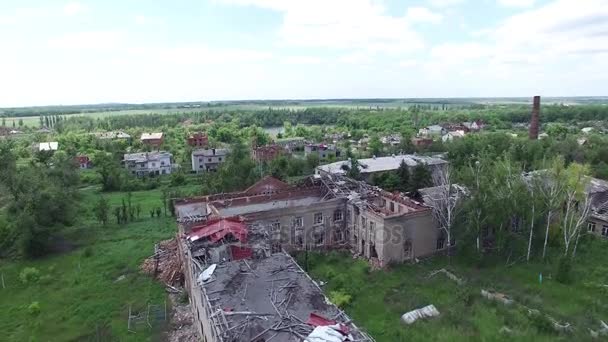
(164, 264)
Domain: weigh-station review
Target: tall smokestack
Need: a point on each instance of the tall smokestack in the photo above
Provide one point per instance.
(535, 120)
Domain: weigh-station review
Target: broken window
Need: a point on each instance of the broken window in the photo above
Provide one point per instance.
(392, 207)
(605, 231)
(319, 238)
(515, 224)
(591, 227)
(299, 237)
(276, 230)
(298, 222)
(339, 235)
(338, 216)
(364, 222)
(318, 218)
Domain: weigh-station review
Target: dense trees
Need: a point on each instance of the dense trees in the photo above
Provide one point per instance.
(42, 199)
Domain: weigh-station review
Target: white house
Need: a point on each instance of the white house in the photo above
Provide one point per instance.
(48, 146)
(208, 159)
(432, 131)
(149, 163)
(450, 136)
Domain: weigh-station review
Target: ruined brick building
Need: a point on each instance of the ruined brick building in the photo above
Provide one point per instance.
(246, 236)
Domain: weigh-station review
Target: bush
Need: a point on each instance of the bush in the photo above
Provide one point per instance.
(33, 309)
(88, 252)
(564, 271)
(340, 298)
(29, 275)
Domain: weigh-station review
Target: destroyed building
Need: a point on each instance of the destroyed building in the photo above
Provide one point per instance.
(249, 293)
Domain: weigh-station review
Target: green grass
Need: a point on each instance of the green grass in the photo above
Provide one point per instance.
(79, 296)
(379, 298)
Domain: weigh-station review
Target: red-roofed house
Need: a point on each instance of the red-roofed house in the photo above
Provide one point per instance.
(198, 139)
(83, 162)
(267, 153)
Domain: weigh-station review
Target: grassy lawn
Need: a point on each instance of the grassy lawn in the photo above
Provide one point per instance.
(379, 298)
(79, 293)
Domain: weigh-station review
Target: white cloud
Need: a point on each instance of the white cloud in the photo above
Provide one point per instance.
(446, 3)
(341, 24)
(88, 40)
(517, 3)
(423, 15)
(74, 8)
(298, 60)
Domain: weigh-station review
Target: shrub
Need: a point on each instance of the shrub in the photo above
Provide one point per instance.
(88, 252)
(33, 309)
(29, 275)
(564, 271)
(340, 298)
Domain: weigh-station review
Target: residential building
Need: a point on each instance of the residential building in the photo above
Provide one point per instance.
(422, 142)
(198, 139)
(47, 146)
(597, 224)
(450, 136)
(322, 151)
(116, 135)
(370, 166)
(152, 139)
(291, 144)
(149, 163)
(267, 153)
(392, 139)
(433, 131)
(83, 162)
(208, 159)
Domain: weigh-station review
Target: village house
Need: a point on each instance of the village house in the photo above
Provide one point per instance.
(391, 139)
(372, 166)
(198, 139)
(83, 162)
(421, 142)
(291, 144)
(149, 163)
(322, 151)
(46, 146)
(474, 126)
(267, 153)
(116, 135)
(152, 139)
(208, 159)
(452, 135)
(433, 131)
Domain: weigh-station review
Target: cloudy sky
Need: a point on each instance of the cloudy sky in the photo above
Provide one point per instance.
(94, 51)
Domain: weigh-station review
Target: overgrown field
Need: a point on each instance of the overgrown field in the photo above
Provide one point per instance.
(84, 293)
(379, 298)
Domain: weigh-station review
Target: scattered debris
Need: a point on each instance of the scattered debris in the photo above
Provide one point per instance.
(497, 296)
(121, 278)
(603, 331)
(164, 264)
(206, 274)
(448, 274)
(413, 316)
(182, 328)
(328, 333)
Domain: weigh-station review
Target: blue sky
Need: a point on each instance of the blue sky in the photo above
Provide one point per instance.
(74, 52)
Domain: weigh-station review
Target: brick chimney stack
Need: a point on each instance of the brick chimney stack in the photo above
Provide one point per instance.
(535, 120)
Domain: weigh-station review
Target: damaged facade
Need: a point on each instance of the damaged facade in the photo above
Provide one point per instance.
(247, 234)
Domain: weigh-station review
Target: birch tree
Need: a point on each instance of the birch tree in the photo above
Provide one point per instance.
(444, 200)
(577, 206)
(552, 190)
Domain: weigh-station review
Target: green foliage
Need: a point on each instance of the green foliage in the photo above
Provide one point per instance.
(33, 309)
(29, 275)
(102, 210)
(564, 271)
(421, 178)
(340, 298)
